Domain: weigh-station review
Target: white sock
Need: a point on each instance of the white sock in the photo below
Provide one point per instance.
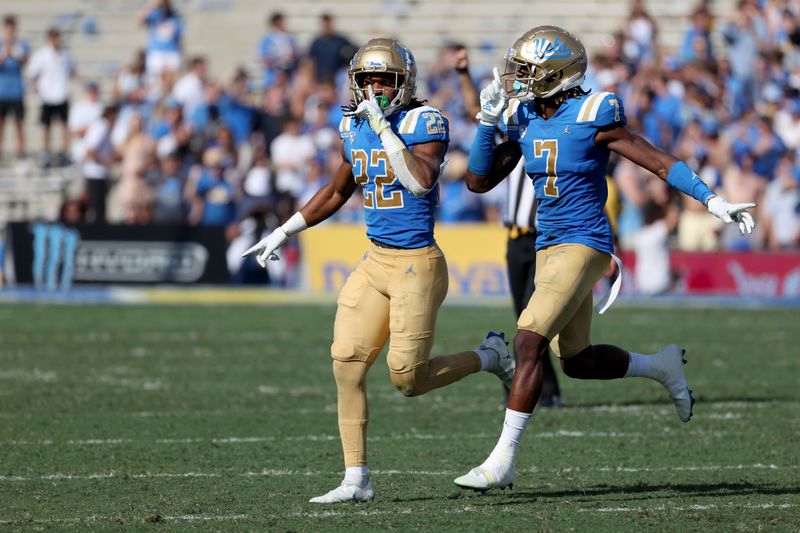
(488, 358)
(513, 427)
(356, 475)
(640, 366)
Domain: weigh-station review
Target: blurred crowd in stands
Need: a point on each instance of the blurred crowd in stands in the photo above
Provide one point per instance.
(171, 144)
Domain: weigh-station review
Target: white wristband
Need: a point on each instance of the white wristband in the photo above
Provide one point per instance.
(295, 224)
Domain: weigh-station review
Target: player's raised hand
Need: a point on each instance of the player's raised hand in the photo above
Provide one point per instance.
(493, 101)
(265, 248)
(370, 110)
(738, 213)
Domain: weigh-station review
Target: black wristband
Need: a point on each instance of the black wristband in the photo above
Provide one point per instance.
(462, 70)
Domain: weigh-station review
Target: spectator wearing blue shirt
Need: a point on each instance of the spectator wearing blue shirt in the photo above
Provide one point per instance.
(330, 51)
(165, 32)
(169, 205)
(767, 148)
(743, 32)
(457, 203)
(13, 55)
(214, 200)
(234, 110)
(277, 50)
(697, 45)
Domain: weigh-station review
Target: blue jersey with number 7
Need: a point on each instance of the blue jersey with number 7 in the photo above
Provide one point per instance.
(567, 168)
(394, 216)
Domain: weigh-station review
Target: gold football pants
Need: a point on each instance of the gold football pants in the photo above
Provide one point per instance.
(395, 295)
(561, 307)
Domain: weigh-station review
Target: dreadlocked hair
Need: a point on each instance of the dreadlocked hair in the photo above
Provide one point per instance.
(413, 104)
(575, 92)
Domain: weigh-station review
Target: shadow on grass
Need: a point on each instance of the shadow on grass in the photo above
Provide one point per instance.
(661, 403)
(639, 491)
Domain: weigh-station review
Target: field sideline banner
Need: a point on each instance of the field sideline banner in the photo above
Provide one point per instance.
(476, 263)
(760, 275)
(475, 256)
(54, 256)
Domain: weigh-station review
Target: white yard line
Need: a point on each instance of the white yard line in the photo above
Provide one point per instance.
(351, 511)
(648, 409)
(560, 434)
(378, 472)
(95, 519)
(706, 507)
(325, 438)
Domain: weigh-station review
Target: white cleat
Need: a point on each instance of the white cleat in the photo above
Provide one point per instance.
(347, 492)
(670, 363)
(481, 478)
(505, 364)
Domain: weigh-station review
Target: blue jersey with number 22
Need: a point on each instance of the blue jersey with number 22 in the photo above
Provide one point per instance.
(394, 216)
(567, 168)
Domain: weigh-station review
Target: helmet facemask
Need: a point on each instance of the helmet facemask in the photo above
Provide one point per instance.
(396, 89)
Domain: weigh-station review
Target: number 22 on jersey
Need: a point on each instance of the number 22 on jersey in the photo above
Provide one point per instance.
(548, 148)
(383, 176)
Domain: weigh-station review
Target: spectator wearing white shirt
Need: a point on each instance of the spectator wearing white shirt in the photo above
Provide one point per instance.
(787, 124)
(189, 91)
(98, 159)
(51, 68)
(780, 211)
(653, 273)
(291, 152)
(81, 116)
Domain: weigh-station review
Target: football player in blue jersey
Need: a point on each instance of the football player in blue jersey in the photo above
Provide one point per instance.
(566, 135)
(394, 147)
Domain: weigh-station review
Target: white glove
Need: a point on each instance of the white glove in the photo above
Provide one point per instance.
(265, 248)
(726, 212)
(494, 100)
(371, 111)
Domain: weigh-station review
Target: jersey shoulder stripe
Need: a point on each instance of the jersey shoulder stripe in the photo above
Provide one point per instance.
(588, 111)
(408, 124)
(509, 120)
(510, 113)
(345, 124)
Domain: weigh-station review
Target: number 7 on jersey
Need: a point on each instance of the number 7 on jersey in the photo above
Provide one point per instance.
(549, 147)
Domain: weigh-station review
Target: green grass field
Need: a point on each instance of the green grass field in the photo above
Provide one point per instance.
(224, 418)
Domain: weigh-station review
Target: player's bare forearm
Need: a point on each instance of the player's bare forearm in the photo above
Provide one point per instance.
(470, 94)
(506, 156)
(637, 149)
(424, 162)
(331, 197)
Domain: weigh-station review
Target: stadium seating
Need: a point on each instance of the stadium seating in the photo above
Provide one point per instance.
(103, 36)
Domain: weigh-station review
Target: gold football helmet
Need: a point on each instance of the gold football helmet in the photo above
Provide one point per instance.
(543, 62)
(385, 55)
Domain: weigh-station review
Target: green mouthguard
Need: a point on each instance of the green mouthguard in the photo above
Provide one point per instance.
(382, 101)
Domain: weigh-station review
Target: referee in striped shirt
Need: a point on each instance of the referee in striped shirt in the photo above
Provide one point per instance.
(520, 219)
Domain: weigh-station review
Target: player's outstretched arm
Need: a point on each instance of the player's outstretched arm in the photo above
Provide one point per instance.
(677, 173)
(329, 199)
